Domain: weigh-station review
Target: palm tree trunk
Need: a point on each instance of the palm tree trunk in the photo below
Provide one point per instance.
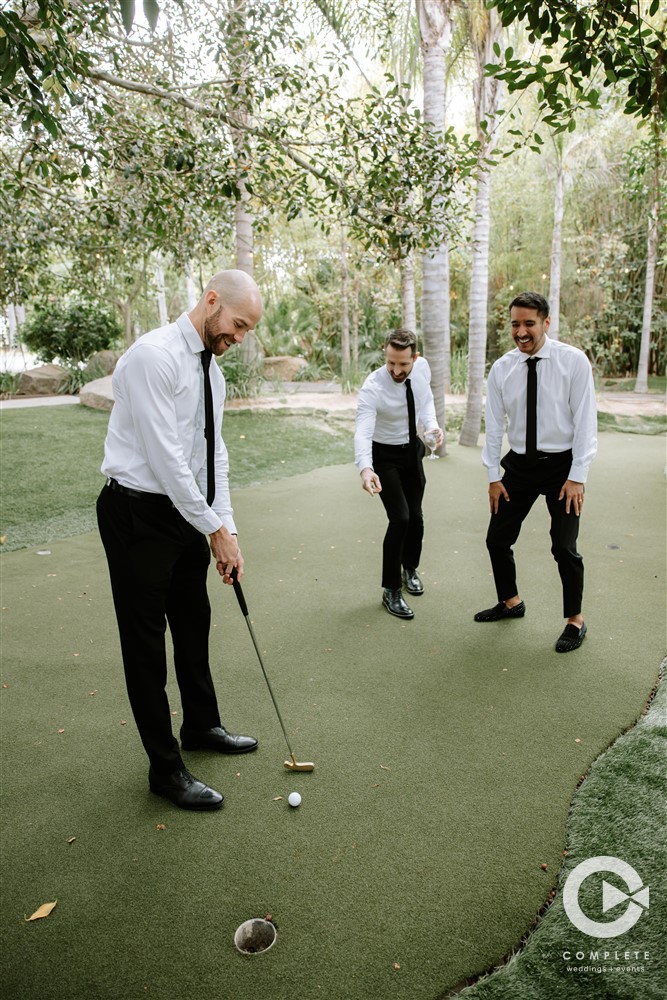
(408, 301)
(435, 26)
(479, 291)
(556, 251)
(344, 310)
(641, 385)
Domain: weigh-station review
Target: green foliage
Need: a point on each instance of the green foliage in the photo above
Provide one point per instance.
(579, 40)
(243, 378)
(9, 382)
(71, 332)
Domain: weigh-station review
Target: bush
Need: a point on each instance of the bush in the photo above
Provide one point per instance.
(71, 333)
(243, 378)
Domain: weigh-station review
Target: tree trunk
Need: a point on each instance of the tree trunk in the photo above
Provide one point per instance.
(556, 252)
(479, 291)
(344, 311)
(485, 30)
(435, 26)
(408, 302)
(641, 385)
(161, 293)
(354, 324)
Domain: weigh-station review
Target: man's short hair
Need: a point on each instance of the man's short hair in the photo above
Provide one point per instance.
(531, 300)
(400, 339)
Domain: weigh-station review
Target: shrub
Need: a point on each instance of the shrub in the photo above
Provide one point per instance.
(71, 333)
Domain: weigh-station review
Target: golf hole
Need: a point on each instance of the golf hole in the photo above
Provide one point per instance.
(255, 936)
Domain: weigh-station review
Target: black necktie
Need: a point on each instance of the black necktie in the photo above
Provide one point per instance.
(412, 424)
(209, 431)
(531, 410)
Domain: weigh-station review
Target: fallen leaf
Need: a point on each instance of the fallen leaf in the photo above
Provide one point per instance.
(92, 692)
(269, 918)
(544, 867)
(123, 722)
(396, 966)
(5, 686)
(43, 911)
(61, 731)
(375, 786)
(277, 798)
(160, 826)
(577, 741)
(70, 840)
(383, 767)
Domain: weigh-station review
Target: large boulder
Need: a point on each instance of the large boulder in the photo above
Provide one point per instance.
(282, 368)
(47, 380)
(104, 362)
(97, 394)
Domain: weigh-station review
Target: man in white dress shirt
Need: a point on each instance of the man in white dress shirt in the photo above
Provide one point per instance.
(549, 455)
(154, 518)
(389, 458)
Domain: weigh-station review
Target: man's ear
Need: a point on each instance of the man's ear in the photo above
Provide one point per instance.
(416, 355)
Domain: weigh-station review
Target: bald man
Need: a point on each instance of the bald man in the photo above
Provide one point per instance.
(160, 517)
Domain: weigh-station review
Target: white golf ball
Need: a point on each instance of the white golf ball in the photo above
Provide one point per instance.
(294, 799)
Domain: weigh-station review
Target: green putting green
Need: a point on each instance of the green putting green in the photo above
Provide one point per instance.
(447, 752)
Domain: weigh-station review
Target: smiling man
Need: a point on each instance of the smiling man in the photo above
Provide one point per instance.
(545, 391)
(393, 400)
(159, 504)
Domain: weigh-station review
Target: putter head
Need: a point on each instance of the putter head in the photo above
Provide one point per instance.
(297, 765)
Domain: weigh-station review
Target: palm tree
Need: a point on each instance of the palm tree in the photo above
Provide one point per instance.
(484, 30)
(435, 29)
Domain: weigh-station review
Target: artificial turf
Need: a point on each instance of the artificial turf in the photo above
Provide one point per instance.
(447, 752)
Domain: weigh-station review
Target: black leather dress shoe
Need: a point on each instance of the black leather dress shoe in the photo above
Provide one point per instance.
(570, 638)
(184, 790)
(412, 582)
(395, 605)
(217, 739)
(501, 611)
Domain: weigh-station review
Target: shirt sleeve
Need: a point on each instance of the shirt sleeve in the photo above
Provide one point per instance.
(495, 427)
(584, 418)
(364, 428)
(150, 387)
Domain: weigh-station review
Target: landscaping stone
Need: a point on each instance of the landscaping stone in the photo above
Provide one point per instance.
(97, 394)
(282, 368)
(104, 361)
(46, 380)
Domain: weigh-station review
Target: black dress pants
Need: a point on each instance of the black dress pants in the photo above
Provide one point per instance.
(524, 483)
(403, 482)
(158, 565)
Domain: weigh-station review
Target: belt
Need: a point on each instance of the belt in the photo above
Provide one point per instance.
(160, 498)
(381, 444)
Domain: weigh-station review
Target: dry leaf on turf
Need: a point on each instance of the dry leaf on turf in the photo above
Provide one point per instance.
(43, 911)
(277, 798)
(396, 966)
(160, 826)
(70, 840)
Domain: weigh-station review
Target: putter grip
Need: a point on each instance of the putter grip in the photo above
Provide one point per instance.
(239, 593)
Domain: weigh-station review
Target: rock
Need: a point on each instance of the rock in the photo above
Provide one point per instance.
(47, 380)
(97, 394)
(282, 368)
(104, 362)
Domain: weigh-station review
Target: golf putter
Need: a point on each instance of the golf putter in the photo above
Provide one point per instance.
(292, 764)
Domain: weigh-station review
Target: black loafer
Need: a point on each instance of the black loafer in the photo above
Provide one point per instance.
(217, 739)
(500, 611)
(412, 582)
(570, 638)
(395, 605)
(184, 790)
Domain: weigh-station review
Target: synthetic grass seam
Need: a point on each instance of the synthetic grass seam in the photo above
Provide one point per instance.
(527, 940)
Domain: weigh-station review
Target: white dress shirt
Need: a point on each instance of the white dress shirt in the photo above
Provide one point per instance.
(382, 410)
(155, 442)
(566, 411)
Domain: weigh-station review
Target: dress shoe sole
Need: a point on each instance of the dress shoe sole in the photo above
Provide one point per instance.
(216, 749)
(414, 593)
(194, 807)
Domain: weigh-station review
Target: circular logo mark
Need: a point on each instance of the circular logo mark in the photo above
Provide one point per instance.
(637, 897)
